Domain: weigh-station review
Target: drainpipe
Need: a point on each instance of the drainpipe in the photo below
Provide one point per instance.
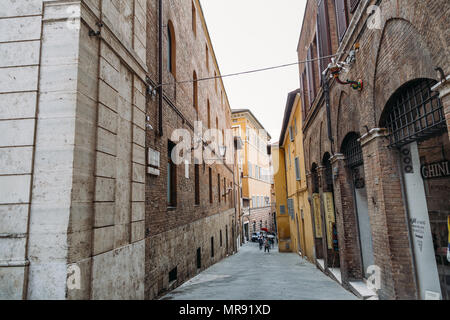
(160, 89)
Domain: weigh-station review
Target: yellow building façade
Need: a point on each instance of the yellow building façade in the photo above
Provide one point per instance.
(294, 221)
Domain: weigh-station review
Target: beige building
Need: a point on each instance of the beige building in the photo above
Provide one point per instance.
(256, 173)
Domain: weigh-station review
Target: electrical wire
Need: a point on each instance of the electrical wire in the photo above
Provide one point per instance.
(249, 72)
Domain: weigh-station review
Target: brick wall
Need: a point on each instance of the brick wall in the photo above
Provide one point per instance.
(168, 229)
(409, 44)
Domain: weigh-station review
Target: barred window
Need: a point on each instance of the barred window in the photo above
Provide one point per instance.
(413, 113)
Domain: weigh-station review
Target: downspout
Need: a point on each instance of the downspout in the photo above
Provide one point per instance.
(160, 62)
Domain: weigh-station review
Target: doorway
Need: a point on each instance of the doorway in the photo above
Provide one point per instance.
(351, 148)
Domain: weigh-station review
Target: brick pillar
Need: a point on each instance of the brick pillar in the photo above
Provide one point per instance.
(327, 253)
(349, 248)
(444, 94)
(388, 217)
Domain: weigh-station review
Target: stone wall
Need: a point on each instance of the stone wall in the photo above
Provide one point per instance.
(73, 105)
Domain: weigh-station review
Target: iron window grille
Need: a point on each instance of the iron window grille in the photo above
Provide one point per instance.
(414, 113)
(352, 151)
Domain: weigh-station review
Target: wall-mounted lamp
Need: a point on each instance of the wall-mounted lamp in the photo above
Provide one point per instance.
(337, 67)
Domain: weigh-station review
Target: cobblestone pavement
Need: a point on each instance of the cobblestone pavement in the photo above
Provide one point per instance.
(252, 274)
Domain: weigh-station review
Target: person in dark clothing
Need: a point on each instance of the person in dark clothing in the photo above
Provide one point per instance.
(267, 245)
(261, 242)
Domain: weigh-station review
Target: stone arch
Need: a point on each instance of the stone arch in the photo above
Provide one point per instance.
(404, 53)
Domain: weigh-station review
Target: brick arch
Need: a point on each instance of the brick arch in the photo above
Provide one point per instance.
(404, 53)
(348, 117)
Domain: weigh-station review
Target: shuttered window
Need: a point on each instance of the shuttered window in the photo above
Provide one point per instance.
(342, 17)
(304, 94)
(310, 78)
(323, 35)
(353, 5)
(291, 133)
(297, 169)
(290, 203)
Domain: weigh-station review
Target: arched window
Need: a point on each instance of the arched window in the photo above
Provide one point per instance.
(351, 149)
(413, 113)
(195, 91)
(171, 49)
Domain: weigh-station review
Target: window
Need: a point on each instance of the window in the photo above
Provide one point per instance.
(282, 209)
(218, 186)
(195, 91)
(304, 93)
(199, 258)
(291, 208)
(342, 17)
(171, 49)
(225, 189)
(197, 184)
(194, 19)
(209, 115)
(353, 5)
(221, 242)
(289, 151)
(171, 177)
(215, 80)
(173, 275)
(297, 169)
(311, 76)
(414, 112)
(207, 57)
(253, 202)
(250, 166)
(323, 36)
(210, 186)
(291, 134)
(212, 247)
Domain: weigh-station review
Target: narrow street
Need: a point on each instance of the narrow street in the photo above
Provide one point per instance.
(252, 274)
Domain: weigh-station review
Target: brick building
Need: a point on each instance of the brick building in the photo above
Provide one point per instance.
(91, 204)
(377, 158)
(192, 223)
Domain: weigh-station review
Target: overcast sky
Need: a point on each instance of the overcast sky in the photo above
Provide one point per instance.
(253, 34)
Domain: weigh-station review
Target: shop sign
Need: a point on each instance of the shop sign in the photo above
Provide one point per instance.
(435, 170)
(317, 216)
(329, 217)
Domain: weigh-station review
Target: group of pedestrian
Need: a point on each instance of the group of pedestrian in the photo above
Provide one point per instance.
(266, 242)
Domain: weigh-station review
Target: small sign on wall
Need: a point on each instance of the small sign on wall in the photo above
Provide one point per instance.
(154, 158)
(154, 161)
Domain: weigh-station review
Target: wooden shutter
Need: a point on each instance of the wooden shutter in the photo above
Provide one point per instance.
(302, 94)
(342, 17)
(323, 36)
(297, 169)
(353, 5)
(310, 77)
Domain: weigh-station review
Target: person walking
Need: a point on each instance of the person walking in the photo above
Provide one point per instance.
(261, 242)
(267, 245)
